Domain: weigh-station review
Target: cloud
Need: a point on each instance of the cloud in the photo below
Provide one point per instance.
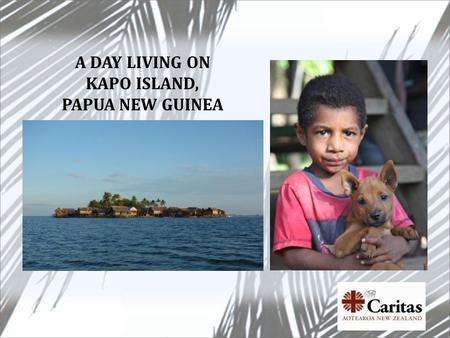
(116, 174)
(110, 180)
(115, 177)
(76, 175)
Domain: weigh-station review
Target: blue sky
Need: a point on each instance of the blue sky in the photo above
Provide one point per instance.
(186, 163)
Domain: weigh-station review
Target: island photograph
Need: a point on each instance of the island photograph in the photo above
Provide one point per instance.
(142, 195)
(116, 206)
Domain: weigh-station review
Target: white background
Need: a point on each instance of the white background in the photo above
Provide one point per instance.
(193, 303)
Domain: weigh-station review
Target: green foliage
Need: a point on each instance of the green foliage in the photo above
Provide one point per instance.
(125, 202)
(94, 204)
(109, 200)
(144, 203)
(314, 68)
(106, 200)
(134, 201)
(283, 64)
(115, 199)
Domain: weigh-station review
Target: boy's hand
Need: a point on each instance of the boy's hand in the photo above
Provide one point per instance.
(351, 262)
(389, 248)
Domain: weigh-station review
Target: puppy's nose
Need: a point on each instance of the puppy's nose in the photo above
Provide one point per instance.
(376, 215)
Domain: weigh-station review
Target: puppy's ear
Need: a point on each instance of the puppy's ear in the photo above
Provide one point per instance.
(388, 175)
(349, 182)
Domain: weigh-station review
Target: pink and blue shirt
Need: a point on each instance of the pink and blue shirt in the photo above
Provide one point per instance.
(309, 216)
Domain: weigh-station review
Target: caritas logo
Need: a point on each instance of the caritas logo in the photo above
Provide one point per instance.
(395, 306)
(353, 301)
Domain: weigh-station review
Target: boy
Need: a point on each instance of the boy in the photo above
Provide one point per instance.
(312, 207)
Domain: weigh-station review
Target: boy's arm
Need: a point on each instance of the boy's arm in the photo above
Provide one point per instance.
(307, 259)
(390, 248)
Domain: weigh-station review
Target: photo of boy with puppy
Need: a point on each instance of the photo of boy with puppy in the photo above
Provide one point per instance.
(333, 215)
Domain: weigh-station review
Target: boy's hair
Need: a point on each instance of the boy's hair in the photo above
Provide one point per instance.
(331, 90)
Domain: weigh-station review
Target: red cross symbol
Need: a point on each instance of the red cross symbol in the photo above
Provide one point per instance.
(353, 301)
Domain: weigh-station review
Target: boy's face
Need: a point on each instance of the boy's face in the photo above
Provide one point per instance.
(332, 139)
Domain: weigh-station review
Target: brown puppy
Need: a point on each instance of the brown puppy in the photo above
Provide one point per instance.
(371, 214)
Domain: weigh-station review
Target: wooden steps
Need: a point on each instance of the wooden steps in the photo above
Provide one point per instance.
(374, 106)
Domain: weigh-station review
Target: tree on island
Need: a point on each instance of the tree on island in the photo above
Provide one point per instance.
(115, 199)
(125, 202)
(106, 200)
(134, 201)
(144, 203)
(94, 204)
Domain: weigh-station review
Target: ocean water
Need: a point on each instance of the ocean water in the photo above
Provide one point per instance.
(234, 243)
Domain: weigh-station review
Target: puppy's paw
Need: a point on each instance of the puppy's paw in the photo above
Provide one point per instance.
(407, 233)
(340, 248)
(364, 246)
(340, 253)
(411, 234)
(369, 250)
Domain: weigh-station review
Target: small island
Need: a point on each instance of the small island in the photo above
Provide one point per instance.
(115, 206)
